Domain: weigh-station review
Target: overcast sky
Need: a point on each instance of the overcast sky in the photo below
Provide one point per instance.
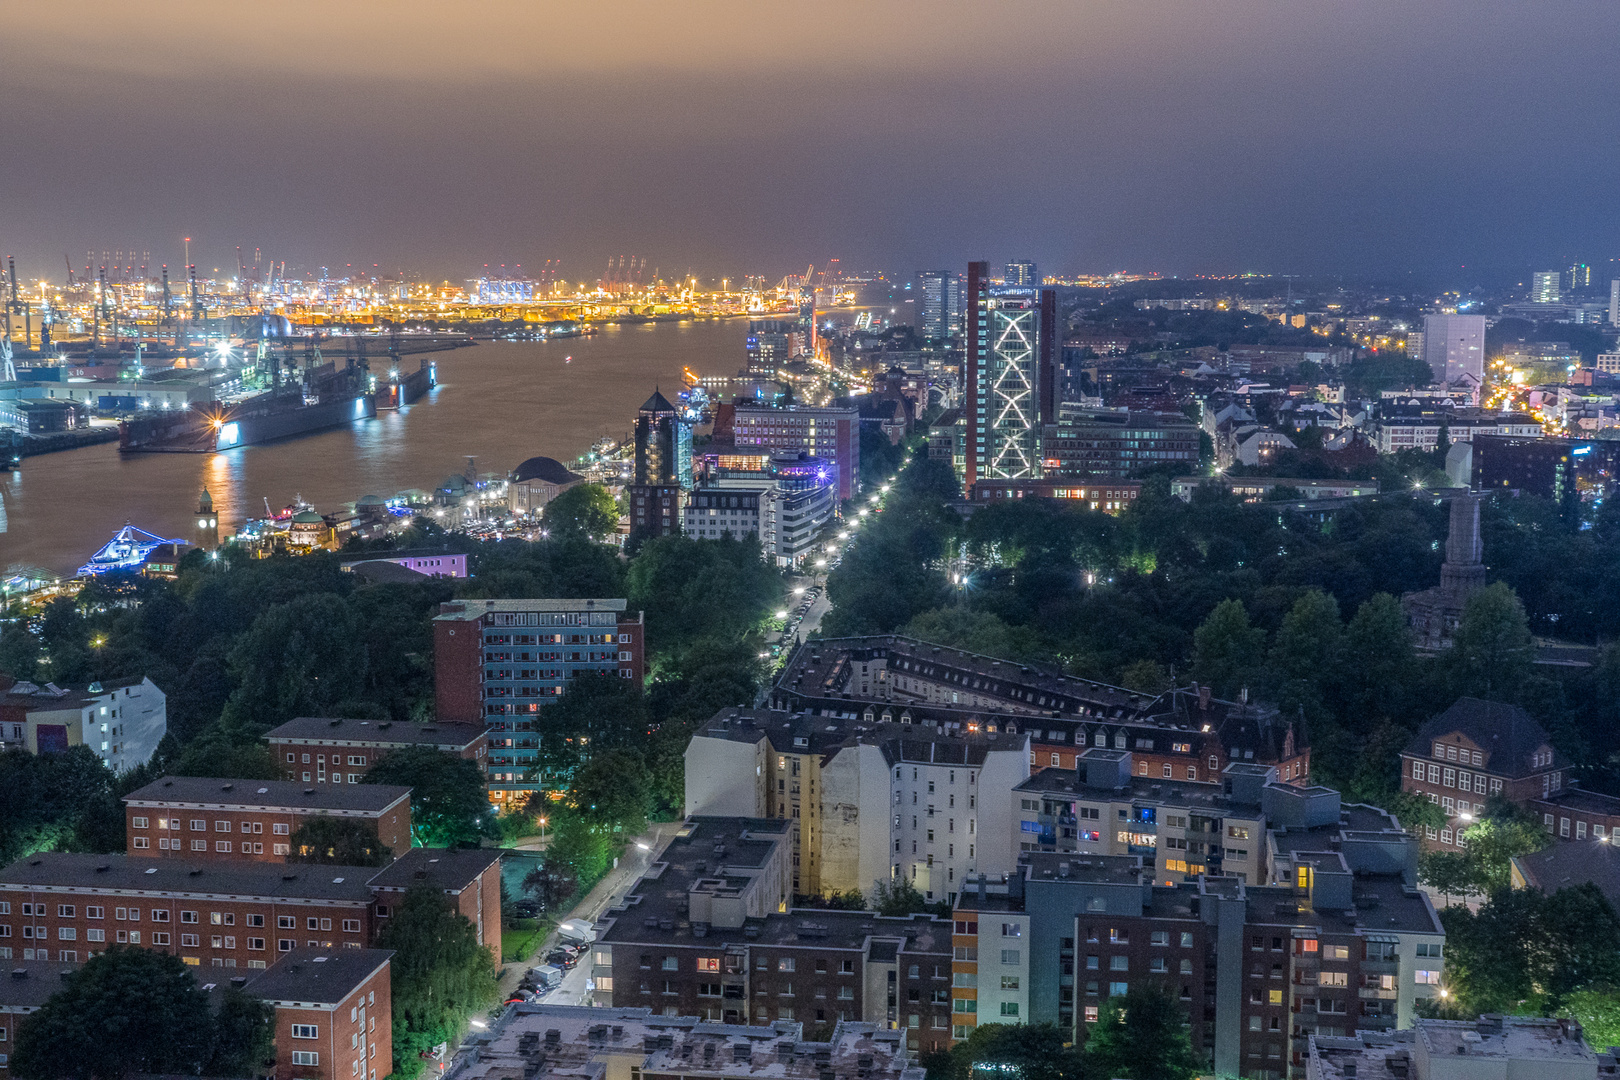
(732, 138)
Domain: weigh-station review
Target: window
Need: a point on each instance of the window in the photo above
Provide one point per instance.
(1332, 978)
(708, 963)
(187, 941)
(139, 823)
(279, 829)
(258, 920)
(222, 845)
(256, 944)
(222, 826)
(1117, 989)
(786, 963)
(64, 911)
(285, 944)
(306, 1031)
(1009, 1008)
(351, 926)
(94, 935)
(1427, 978)
(1011, 929)
(1011, 957)
(286, 922)
(671, 963)
(305, 1057)
(1119, 963)
(1009, 982)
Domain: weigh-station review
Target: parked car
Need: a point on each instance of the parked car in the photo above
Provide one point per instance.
(562, 958)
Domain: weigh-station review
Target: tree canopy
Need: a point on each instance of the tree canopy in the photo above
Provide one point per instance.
(449, 807)
(583, 512)
(441, 974)
(337, 841)
(133, 1010)
(1142, 1036)
(1034, 1051)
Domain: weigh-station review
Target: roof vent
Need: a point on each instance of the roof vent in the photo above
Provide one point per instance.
(333, 723)
(151, 870)
(103, 868)
(309, 791)
(226, 787)
(284, 877)
(320, 959)
(168, 783)
(194, 873)
(264, 791)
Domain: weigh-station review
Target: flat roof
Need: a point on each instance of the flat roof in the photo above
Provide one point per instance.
(285, 795)
(317, 976)
(49, 871)
(331, 730)
(461, 610)
(574, 1039)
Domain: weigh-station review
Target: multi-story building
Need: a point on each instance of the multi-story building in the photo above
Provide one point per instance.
(1490, 1048)
(1545, 288)
(333, 1010)
(866, 802)
(201, 818)
(499, 662)
(121, 721)
(1533, 465)
(320, 750)
(785, 504)
(649, 1043)
(708, 932)
(1181, 829)
(768, 345)
(1259, 488)
(334, 1013)
(939, 305)
(1012, 343)
(64, 907)
(721, 509)
(1117, 443)
(1336, 939)
(663, 470)
(1184, 734)
(829, 433)
(1418, 425)
(1108, 496)
(1454, 347)
(1021, 272)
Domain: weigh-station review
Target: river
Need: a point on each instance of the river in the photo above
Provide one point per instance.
(503, 402)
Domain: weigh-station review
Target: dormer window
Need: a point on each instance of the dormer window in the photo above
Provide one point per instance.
(1440, 751)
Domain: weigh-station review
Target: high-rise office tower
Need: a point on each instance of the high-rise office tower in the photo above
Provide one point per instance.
(1578, 277)
(1011, 374)
(939, 300)
(1454, 347)
(1022, 273)
(1544, 287)
(1614, 302)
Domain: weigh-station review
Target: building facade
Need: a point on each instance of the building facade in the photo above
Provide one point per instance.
(1117, 443)
(121, 721)
(497, 663)
(333, 1013)
(1454, 348)
(329, 750)
(200, 818)
(829, 433)
(1010, 376)
(939, 305)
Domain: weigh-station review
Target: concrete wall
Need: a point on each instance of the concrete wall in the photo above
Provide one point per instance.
(726, 778)
(1003, 770)
(855, 812)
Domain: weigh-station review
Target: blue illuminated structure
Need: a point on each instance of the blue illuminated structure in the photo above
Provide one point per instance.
(125, 551)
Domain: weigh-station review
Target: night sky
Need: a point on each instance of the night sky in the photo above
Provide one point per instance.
(1362, 138)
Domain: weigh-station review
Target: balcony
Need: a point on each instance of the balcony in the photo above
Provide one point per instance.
(1373, 993)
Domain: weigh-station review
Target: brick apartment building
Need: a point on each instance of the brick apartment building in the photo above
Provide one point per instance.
(333, 1009)
(62, 906)
(319, 750)
(196, 818)
(1474, 750)
(497, 663)
(334, 1013)
(470, 877)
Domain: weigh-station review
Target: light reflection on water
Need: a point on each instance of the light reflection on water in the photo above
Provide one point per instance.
(501, 402)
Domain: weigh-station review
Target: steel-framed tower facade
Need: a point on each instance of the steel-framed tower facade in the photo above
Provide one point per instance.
(1010, 377)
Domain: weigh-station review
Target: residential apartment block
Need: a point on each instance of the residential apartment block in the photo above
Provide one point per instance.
(866, 802)
(497, 663)
(1490, 1048)
(1337, 939)
(333, 1010)
(581, 1041)
(63, 906)
(1117, 443)
(1183, 734)
(121, 721)
(707, 932)
(1417, 425)
(321, 750)
(204, 818)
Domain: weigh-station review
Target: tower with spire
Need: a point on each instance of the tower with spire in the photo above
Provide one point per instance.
(658, 494)
(207, 521)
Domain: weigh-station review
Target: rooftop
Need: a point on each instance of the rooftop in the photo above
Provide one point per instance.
(445, 736)
(1505, 733)
(1573, 862)
(810, 733)
(449, 869)
(49, 870)
(31, 982)
(573, 1041)
(267, 795)
(471, 609)
(317, 976)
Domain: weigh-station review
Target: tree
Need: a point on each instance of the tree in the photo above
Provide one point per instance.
(1450, 873)
(449, 806)
(1506, 831)
(596, 711)
(1143, 1036)
(1226, 649)
(1523, 946)
(581, 849)
(612, 791)
(441, 974)
(584, 511)
(1492, 649)
(899, 896)
(1597, 1008)
(1145, 677)
(1378, 657)
(302, 658)
(1032, 1051)
(151, 1016)
(244, 1035)
(338, 842)
(549, 883)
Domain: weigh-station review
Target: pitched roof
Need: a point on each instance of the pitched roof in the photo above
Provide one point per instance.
(1573, 862)
(183, 877)
(268, 794)
(1506, 733)
(657, 403)
(324, 729)
(448, 869)
(317, 976)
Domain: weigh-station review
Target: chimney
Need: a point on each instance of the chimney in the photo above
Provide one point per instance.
(1203, 698)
